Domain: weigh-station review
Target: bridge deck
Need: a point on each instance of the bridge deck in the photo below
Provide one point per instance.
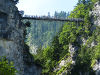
(54, 19)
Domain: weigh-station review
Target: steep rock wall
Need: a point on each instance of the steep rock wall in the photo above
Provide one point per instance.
(12, 39)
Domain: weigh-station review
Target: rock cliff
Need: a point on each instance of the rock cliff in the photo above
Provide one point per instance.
(68, 62)
(12, 36)
(96, 21)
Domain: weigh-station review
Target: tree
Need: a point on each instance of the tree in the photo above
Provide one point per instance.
(6, 67)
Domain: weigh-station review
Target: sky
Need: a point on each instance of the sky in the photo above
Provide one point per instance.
(42, 7)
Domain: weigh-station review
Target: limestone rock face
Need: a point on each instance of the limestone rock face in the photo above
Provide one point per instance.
(12, 39)
(97, 67)
(71, 59)
(96, 14)
(96, 21)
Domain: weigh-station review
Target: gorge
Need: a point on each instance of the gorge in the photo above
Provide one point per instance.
(75, 50)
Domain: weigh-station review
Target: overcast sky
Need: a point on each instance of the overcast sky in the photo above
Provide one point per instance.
(42, 7)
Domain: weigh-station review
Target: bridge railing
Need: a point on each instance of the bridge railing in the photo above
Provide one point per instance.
(52, 18)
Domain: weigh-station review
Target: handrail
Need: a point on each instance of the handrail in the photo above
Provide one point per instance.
(54, 19)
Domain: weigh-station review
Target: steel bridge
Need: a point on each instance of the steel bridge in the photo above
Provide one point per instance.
(53, 19)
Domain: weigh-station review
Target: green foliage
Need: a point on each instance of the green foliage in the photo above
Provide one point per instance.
(72, 32)
(69, 34)
(49, 57)
(67, 66)
(94, 1)
(88, 55)
(97, 52)
(6, 67)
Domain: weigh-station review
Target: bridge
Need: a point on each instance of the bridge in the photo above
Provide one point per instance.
(45, 18)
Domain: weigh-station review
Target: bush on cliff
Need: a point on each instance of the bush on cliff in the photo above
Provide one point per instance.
(6, 67)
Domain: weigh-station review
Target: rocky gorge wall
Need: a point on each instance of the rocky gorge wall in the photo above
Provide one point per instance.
(12, 39)
(68, 62)
(96, 21)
